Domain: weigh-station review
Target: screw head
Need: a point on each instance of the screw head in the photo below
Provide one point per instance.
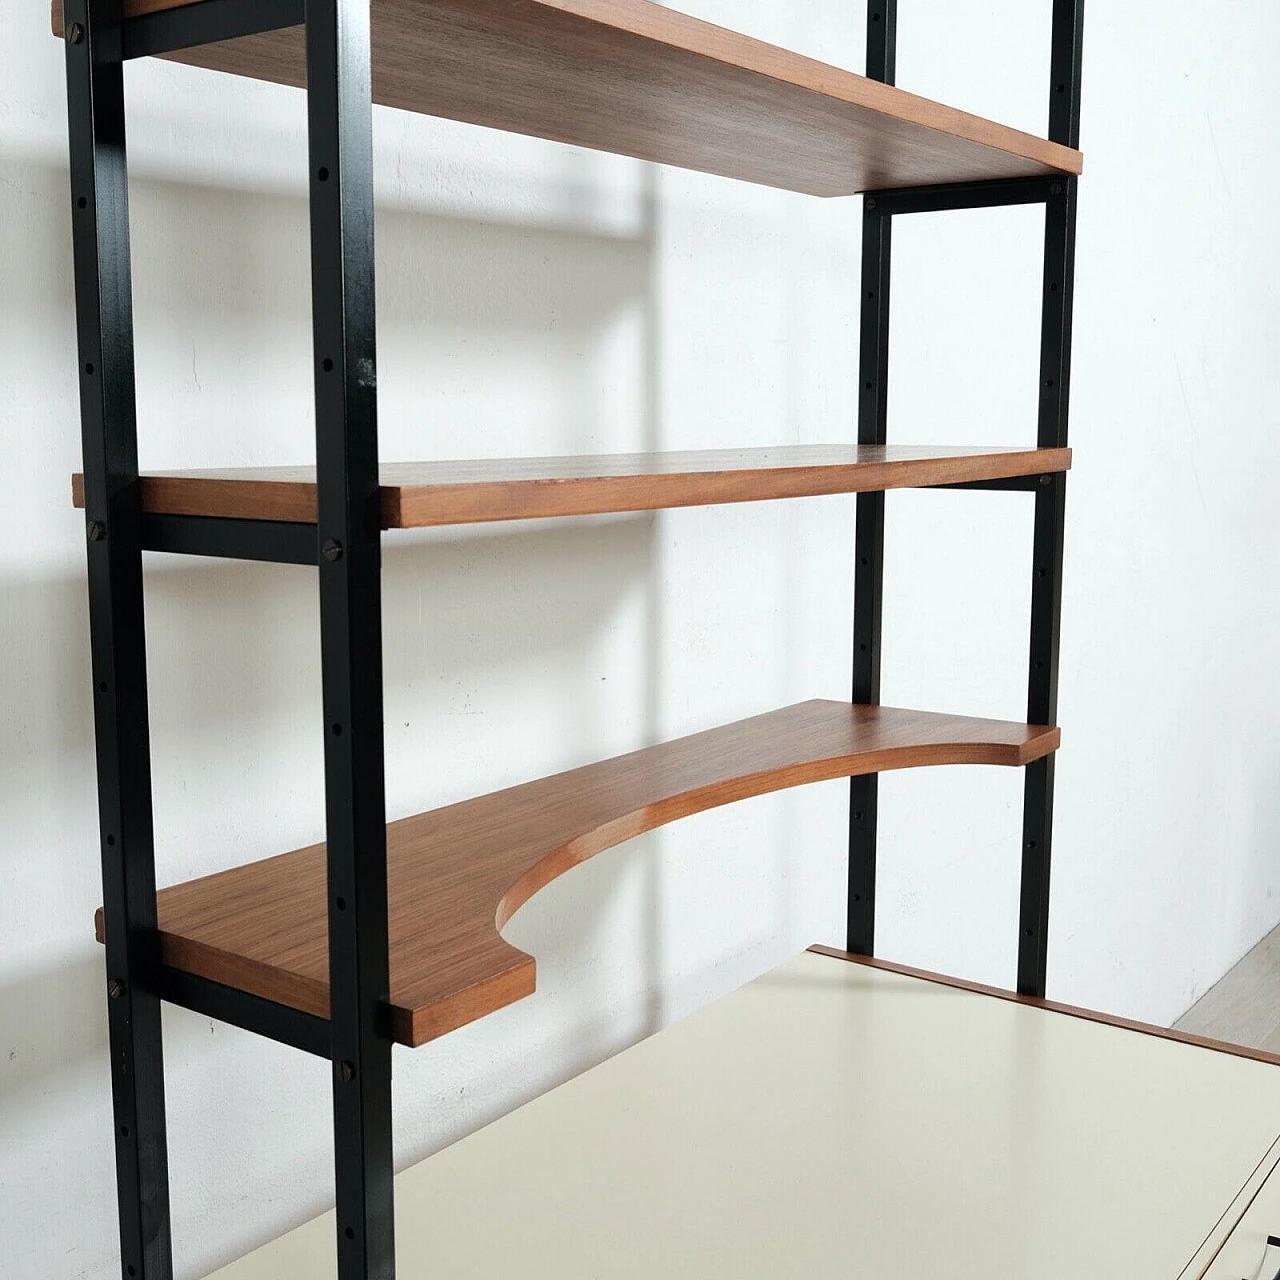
(115, 988)
(75, 33)
(97, 531)
(346, 1072)
(872, 203)
(1046, 480)
(1055, 189)
(331, 550)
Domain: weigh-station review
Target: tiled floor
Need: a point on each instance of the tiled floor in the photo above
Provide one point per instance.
(1244, 1007)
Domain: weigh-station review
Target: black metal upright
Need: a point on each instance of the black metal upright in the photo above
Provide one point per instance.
(346, 545)
(868, 577)
(340, 127)
(104, 323)
(879, 210)
(1046, 587)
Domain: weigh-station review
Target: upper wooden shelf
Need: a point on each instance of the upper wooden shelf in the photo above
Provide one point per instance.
(457, 875)
(421, 494)
(638, 79)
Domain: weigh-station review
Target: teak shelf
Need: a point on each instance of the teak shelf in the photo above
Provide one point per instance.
(457, 875)
(421, 494)
(638, 79)
(390, 933)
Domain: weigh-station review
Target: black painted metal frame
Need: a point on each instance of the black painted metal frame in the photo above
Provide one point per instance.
(1058, 195)
(277, 1022)
(340, 128)
(344, 547)
(873, 426)
(169, 30)
(104, 321)
(275, 541)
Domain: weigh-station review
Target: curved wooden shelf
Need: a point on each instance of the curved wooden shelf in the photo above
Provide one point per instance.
(642, 80)
(457, 875)
(421, 494)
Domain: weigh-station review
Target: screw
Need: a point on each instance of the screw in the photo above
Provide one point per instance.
(1055, 189)
(1046, 480)
(75, 33)
(346, 1072)
(115, 988)
(331, 551)
(97, 531)
(871, 204)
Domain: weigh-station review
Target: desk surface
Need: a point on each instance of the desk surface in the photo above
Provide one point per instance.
(835, 1120)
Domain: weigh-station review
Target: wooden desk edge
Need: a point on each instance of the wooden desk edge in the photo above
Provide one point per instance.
(1053, 1006)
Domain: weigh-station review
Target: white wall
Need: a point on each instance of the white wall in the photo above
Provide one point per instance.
(535, 299)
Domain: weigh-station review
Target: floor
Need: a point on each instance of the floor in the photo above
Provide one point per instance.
(1244, 1007)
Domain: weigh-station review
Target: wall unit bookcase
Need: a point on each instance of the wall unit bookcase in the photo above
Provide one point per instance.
(390, 934)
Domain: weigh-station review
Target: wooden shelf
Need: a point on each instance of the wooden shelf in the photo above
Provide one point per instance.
(633, 77)
(419, 494)
(457, 875)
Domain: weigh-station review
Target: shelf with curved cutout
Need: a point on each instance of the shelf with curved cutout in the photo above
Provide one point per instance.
(456, 875)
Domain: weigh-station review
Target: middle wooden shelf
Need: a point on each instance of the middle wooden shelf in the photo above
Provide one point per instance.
(456, 875)
(422, 494)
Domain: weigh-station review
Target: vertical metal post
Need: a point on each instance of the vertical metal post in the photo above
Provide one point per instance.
(104, 323)
(873, 417)
(340, 122)
(1046, 583)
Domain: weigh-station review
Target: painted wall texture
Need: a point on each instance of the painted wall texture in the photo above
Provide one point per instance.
(539, 300)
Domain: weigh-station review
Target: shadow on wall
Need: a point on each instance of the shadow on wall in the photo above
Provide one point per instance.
(211, 253)
(490, 332)
(475, 606)
(471, 607)
(244, 628)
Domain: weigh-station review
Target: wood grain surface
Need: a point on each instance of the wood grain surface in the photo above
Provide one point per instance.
(642, 80)
(419, 494)
(457, 874)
